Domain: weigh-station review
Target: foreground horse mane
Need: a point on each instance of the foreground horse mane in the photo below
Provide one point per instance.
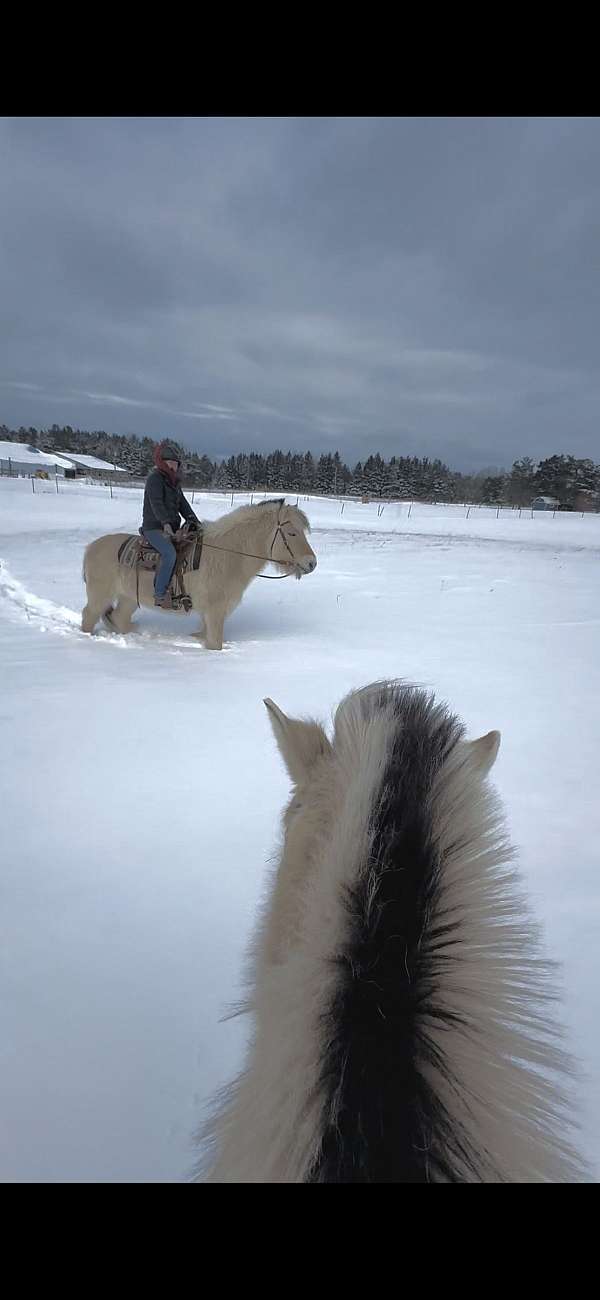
(401, 1005)
(245, 514)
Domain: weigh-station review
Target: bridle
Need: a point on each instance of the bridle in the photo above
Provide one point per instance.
(293, 562)
(275, 577)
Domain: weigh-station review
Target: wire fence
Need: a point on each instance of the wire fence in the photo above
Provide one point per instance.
(57, 484)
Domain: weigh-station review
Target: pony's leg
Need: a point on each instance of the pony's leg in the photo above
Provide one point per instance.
(200, 635)
(215, 618)
(99, 601)
(120, 616)
(90, 615)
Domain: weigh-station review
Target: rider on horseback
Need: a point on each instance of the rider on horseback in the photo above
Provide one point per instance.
(164, 504)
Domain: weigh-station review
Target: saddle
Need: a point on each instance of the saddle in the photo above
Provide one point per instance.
(136, 552)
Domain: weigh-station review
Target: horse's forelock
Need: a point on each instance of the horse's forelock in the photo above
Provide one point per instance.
(296, 516)
(270, 503)
(369, 702)
(292, 513)
(392, 712)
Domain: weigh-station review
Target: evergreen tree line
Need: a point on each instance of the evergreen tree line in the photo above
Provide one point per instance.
(402, 477)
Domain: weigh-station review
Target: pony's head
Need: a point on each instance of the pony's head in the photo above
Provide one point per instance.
(290, 546)
(367, 725)
(390, 740)
(402, 1030)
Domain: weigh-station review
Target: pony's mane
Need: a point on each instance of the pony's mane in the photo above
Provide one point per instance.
(440, 1062)
(252, 514)
(404, 1032)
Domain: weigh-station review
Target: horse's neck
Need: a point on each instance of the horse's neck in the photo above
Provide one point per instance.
(251, 535)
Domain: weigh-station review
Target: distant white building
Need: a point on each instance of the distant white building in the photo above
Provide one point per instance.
(545, 503)
(91, 464)
(19, 460)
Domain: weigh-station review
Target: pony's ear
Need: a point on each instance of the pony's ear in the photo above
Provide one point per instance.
(484, 751)
(300, 743)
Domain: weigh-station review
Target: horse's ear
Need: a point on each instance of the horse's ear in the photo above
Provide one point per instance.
(484, 751)
(300, 743)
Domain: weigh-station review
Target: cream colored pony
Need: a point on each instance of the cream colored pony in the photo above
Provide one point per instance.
(401, 1007)
(236, 547)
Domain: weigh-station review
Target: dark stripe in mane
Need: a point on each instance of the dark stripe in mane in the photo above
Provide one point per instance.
(383, 1121)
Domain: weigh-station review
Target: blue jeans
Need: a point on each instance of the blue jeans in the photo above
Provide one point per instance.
(168, 556)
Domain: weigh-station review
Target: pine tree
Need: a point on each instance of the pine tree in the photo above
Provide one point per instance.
(555, 478)
(375, 476)
(521, 487)
(357, 486)
(222, 478)
(324, 475)
(308, 473)
(492, 488)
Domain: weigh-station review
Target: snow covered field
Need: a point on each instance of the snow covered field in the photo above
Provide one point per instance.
(140, 792)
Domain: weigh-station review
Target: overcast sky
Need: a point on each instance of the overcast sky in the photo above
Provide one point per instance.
(423, 286)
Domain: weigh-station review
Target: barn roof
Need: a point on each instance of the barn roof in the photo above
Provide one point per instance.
(22, 454)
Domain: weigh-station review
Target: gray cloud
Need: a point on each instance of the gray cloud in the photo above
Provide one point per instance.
(425, 286)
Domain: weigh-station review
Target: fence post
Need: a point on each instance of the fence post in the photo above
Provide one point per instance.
(409, 510)
(497, 512)
(33, 484)
(56, 478)
(342, 509)
(110, 489)
(192, 496)
(232, 498)
(468, 513)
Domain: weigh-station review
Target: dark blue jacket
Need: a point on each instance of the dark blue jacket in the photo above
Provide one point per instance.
(164, 503)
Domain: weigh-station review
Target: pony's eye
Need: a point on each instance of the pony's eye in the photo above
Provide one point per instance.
(291, 534)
